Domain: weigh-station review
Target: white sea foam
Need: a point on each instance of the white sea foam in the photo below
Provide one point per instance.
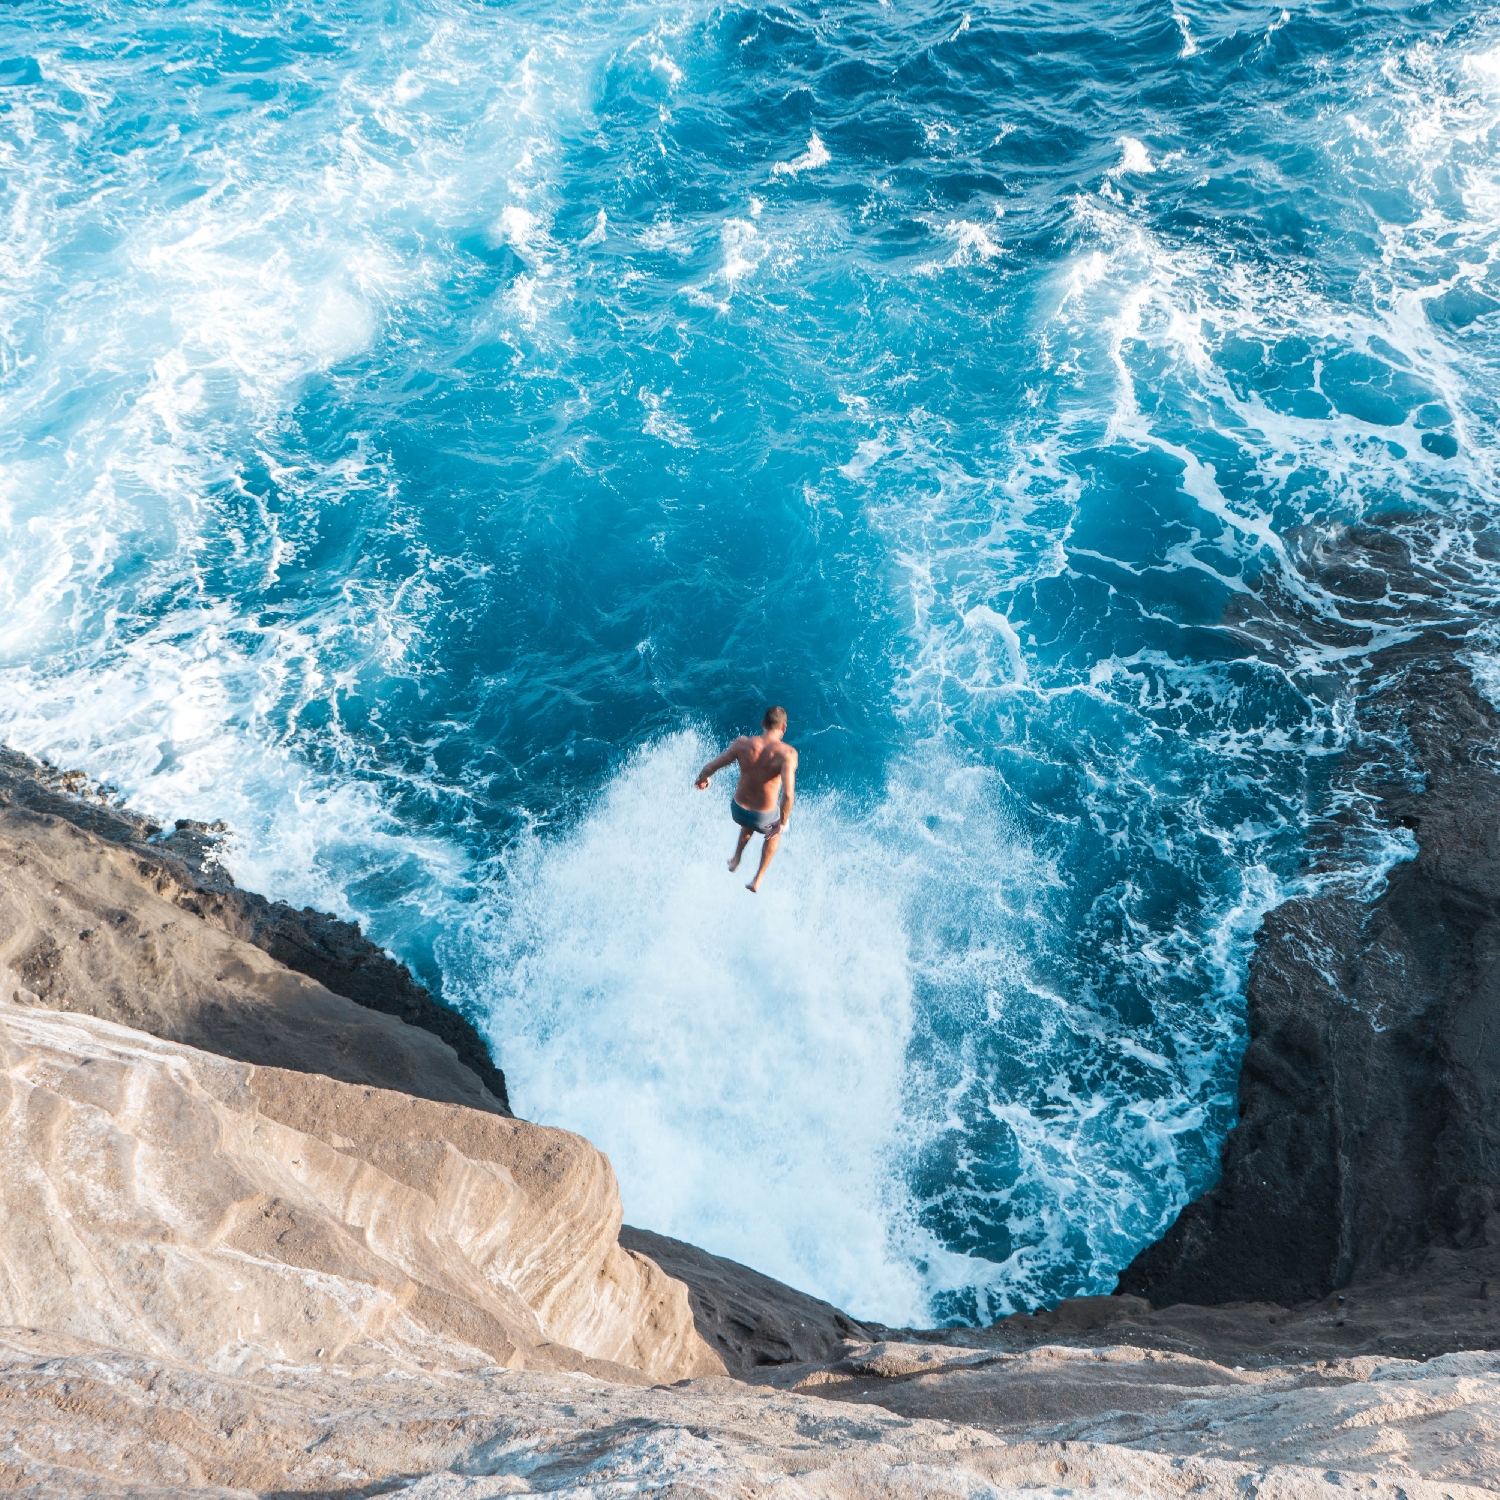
(739, 238)
(868, 453)
(739, 1057)
(1179, 305)
(762, 1071)
(1139, 321)
(814, 157)
(525, 234)
(660, 423)
(1485, 666)
(596, 235)
(1135, 160)
(744, 1060)
(661, 63)
(132, 639)
(982, 625)
(973, 243)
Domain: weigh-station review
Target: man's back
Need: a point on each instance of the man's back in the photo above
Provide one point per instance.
(763, 761)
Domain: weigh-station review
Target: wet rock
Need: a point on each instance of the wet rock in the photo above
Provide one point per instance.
(1369, 1129)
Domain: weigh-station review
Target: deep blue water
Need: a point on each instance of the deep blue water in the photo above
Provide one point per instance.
(428, 429)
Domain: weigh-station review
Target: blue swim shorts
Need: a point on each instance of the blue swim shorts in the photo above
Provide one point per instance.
(756, 822)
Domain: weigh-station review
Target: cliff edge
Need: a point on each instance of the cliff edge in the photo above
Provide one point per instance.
(263, 1238)
(81, 841)
(173, 1202)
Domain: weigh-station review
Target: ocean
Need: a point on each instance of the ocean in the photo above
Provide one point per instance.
(429, 430)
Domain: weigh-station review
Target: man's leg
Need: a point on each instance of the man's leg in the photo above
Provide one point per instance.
(739, 848)
(767, 853)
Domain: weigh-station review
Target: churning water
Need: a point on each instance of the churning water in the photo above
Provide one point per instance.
(428, 428)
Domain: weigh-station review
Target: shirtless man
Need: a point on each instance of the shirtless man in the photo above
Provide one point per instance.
(762, 802)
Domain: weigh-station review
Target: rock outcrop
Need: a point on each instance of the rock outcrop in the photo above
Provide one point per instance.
(86, 930)
(753, 1323)
(181, 866)
(1397, 1418)
(266, 1231)
(1369, 1129)
(185, 1206)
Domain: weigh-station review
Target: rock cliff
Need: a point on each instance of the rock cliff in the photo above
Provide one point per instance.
(1369, 1104)
(266, 1231)
(182, 1205)
(180, 867)
(87, 929)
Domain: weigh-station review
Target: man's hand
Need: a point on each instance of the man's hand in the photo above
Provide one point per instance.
(725, 758)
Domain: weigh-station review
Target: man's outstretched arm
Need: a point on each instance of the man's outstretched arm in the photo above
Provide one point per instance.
(727, 758)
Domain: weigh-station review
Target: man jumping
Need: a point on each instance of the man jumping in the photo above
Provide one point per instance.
(762, 802)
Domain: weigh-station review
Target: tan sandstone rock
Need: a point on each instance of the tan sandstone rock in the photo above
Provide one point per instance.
(1395, 1420)
(187, 1206)
(79, 1421)
(318, 1258)
(84, 931)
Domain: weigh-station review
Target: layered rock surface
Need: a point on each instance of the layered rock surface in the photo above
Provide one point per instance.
(78, 1420)
(87, 929)
(276, 1233)
(186, 1206)
(181, 867)
(1399, 1419)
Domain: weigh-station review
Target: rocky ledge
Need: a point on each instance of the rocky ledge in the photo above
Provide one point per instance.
(109, 875)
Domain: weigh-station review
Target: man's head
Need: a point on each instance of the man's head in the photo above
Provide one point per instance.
(774, 721)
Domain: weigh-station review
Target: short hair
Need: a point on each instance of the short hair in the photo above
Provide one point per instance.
(775, 718)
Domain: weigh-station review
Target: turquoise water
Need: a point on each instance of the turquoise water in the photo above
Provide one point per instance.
(428, 429)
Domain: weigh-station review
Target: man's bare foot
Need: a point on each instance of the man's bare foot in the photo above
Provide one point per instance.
(753, 887)
(734, 864)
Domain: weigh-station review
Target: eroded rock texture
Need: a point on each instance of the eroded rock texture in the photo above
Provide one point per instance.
(86, 928)
(179, 1204)
(82, 1421)
(1369, 1126)
(753, 1323)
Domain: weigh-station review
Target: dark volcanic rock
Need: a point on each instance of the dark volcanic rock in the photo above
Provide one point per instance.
(753, 1323)
(1368, 1132)
(182, 867)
